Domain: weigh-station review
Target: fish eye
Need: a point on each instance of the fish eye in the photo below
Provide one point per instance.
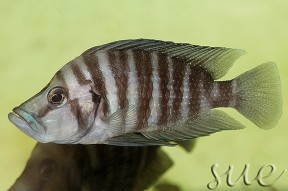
(57, 96)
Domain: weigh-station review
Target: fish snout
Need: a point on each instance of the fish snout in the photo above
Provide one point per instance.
(26, 122)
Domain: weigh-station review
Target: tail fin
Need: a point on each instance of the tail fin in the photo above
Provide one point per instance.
(259, 95)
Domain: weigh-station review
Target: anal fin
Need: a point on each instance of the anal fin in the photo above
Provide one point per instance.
(204, 125)
(135, 139)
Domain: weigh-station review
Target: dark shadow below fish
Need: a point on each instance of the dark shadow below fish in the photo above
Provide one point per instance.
(56, 167)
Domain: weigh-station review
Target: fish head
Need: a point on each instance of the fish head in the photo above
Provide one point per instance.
(62, 112)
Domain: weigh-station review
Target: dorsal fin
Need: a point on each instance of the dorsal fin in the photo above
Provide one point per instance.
(216, 60)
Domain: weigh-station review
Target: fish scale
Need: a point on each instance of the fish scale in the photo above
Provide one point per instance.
(149, 92)
(177, 78)
(164, 91)
(144, 72)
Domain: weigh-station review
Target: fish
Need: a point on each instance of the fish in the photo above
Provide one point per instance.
(95, 167)
(147, 92)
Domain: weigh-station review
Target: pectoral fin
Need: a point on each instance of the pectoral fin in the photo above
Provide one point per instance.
(122, 121)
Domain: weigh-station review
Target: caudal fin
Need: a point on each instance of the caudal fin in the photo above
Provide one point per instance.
(259, 95)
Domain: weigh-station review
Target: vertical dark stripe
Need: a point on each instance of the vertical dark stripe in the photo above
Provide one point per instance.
(79, 74)
(76, 110)
(178, 77)
(194, 91)
(119, 67)
(60, 76)
(199, 75)
(145, 85)
(207, 82)
(75, 107)
(163, 73)
(92, 63)
(225, 97)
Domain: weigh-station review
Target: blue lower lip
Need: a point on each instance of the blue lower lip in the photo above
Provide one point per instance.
(22, 119)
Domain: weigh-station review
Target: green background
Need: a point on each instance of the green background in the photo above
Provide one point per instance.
(38, 37)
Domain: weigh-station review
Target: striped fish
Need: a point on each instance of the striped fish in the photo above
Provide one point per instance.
(148, 92)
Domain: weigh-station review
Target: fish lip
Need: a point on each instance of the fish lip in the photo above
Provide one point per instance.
(26, 122)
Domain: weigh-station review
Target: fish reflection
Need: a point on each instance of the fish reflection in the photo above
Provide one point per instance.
(54, 167)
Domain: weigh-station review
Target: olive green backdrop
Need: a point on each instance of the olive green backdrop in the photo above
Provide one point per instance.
(38, 37)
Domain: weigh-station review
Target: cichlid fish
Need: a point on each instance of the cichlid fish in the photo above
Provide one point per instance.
(148, 92)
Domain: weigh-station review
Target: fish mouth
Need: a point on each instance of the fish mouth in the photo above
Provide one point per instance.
(25, 121)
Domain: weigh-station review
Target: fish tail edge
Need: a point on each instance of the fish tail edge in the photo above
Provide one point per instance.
(259, 96)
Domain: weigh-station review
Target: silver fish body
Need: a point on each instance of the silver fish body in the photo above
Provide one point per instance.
(148, 92)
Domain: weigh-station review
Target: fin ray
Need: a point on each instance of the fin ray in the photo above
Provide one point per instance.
(116, 123)
(259, 95)
(216, 60)
(213, 121)
(135, 139)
